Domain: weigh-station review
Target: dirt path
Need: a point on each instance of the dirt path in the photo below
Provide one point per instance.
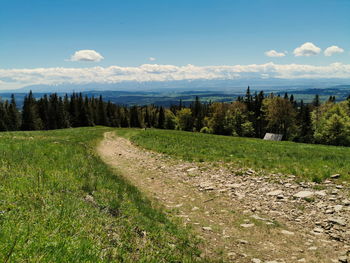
(240, 216)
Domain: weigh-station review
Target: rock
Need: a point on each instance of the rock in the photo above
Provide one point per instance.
(335, 176)
(321, 193)
(329, 211)
(233, 186)
(336, 220)
(195, 208)
(256, 260)
(343, 259)
(338, 208)
(312, 248)
(287, 185)
(258, 217)
(207, 228)
(280, 197)
(346, 202)
(318, 230)
(303, 194)
(275, 193)
(334, 192)
(242, 241)
(250, 171)
(192, 169)
(247, 225)
(301, 260)
(289, 233)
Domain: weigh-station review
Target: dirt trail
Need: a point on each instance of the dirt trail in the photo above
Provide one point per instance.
(238, 215)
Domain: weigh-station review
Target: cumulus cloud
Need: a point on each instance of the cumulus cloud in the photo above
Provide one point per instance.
(151, 59)
(307, 49)
(155, 72)
(333, 50)
(86, 55)
(274, 53)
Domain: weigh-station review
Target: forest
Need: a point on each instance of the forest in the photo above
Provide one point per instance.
(251, 115)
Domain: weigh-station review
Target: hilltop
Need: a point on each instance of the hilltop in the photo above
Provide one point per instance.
(104, 194)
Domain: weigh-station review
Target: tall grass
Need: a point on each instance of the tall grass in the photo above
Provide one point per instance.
(308, 161)
(60, 203)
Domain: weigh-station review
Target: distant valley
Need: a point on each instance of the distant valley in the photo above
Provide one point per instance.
(167, 97)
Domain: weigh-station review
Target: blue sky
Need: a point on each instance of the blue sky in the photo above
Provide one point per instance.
(46, 33)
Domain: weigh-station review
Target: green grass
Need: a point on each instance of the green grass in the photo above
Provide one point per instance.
(44, 178)
(307, 161)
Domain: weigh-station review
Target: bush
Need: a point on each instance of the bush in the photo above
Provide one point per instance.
(206, 130)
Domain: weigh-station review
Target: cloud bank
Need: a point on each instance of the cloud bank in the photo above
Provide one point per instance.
(333, 50)
(274, 53)
(86, 55)
(154, 72)
(307, 49)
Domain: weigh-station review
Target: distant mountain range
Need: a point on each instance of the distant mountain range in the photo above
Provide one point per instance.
(237, 85)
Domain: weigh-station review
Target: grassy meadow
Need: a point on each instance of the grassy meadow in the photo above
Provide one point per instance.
(307, 161)
(60, 203)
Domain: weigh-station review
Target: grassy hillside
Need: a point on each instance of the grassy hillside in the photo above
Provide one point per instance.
(314, 162)
(60, 203)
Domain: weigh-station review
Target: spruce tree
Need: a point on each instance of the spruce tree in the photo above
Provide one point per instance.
(161, 118)
(316, 101)
(3, 117)
(14, 115)
(102, 115)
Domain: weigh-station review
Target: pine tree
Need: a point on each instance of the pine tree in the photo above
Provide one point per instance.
(134, 117)
(14, 116)
(44, 112)
(161, 118)
(248, 99)
(147, 119)
(102, 115)
(316, 101)
(30, 117)
(62, 115)
(74, 110)
(3, 117)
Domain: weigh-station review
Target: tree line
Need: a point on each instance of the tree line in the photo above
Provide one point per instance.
(251, 115)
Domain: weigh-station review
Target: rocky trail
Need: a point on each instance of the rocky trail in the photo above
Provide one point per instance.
(241, 215)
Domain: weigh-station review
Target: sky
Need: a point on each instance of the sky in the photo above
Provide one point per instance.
(83, 41)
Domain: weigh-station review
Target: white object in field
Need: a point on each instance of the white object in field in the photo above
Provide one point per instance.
(273, 137)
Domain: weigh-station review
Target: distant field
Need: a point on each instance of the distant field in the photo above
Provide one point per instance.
(314, 162)
(48, 214)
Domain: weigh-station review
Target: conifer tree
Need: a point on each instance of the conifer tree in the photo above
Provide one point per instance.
(316, 101)
(161, 118)
(30, 118)
(3, 117)
(14, 116)
(102, 114)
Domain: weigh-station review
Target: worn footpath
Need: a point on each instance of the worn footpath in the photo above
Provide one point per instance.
(242, 215)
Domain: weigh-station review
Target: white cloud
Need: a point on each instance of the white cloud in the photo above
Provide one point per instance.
(156, 72)
(151, 59)
(86, 55)
(333, 50)
(307, 49)
(274, 53)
